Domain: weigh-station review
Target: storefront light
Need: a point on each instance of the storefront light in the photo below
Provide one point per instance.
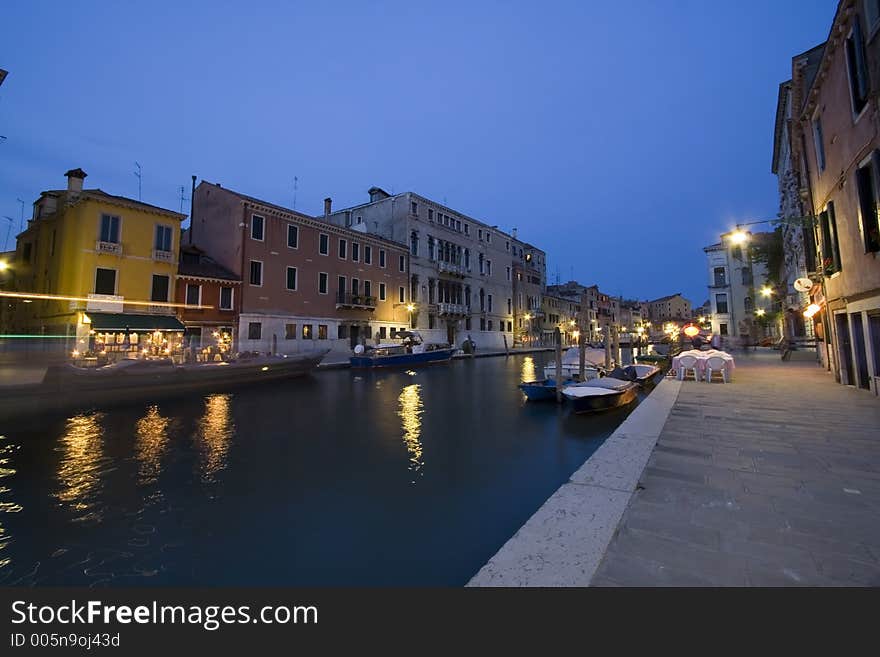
(811, 310)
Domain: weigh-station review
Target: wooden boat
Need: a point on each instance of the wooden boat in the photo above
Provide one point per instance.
(571, 364)
(541, 390)
(644, 375)
(66, 387)
(411, 352)
(600, 394)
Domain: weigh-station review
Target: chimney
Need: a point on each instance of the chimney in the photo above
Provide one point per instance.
(328, 202)
(513, 233)
(75, 179)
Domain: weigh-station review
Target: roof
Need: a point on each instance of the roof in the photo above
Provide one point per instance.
(101, 195)
(206, 267)
(781, 104)
(134, 322)
(667, 297)
(260, 201)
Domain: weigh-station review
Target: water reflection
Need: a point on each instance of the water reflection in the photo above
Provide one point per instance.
(81, 463)
(410, 413)
(152, 441)
(528, 369)
(6, 505)
(216, 429)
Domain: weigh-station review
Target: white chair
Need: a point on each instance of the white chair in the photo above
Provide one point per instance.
(716, 365)
(686, 363)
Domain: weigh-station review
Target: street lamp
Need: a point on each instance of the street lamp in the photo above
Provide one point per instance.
(410, 308)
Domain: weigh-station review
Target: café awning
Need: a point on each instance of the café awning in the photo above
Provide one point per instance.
(132, 322)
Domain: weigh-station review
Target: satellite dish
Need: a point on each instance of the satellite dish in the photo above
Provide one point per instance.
(803, 284)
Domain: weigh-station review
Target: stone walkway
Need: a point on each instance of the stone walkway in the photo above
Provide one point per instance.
(771, 480)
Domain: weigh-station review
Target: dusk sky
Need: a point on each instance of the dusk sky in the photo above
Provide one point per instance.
(621, 138)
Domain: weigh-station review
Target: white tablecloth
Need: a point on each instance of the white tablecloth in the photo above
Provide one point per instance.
(703, 358)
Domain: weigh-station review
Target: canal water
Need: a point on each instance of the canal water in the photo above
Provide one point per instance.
(341, 478)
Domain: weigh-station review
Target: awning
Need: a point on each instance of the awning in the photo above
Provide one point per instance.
(132, 322)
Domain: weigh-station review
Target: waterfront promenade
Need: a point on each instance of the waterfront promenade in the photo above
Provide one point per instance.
(771, 480)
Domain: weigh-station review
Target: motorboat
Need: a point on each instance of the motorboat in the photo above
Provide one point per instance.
(571, 364)
(411, 351)
(542, 390)
(600, 394)
(644, 375)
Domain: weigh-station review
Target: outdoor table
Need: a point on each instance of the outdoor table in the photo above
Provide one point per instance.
(702, 358)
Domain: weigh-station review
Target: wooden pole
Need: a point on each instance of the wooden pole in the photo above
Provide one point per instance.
(557, 336)
(506, 350)
(607, 347)
(616, 353)
(582, 344)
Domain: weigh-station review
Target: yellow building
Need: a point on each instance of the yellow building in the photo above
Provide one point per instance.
(112, 259)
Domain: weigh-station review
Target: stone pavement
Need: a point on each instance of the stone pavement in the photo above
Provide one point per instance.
(772, 480)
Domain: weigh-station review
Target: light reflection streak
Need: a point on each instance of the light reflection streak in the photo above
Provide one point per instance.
(528, 369)
(151, 443)
(216, 429)
(411, 409)
(6, 506)
(81, 463)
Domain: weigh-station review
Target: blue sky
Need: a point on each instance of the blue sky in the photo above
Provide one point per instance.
(607, 133)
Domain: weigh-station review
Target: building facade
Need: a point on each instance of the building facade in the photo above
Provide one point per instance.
(307, 284)
(672, 308)
(109, 264)
(461, 269)
(834, 144)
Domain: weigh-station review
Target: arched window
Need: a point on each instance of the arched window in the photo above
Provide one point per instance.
(414, 243)
(430, 247)
(482, 300)
(747, 303)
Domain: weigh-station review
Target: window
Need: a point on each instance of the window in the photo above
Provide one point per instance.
(458, 226)
(430, 321)
(109, 228)
(467, 229)
(509, 306)
(193, 294)
(722, 329)
(343, 246)
(467, 323)
(430, 214)
(256, 272)
(342, 331)
(721, 304)
(746, 276)
(482, 324)
(857, 67)
(489, 325)
(255, 330)
(340, 289)
(507, 246)
(257, 227)
(52, 245)
(747, 304)
(866, 177)
(509, 327)
(382, 291)
(105, 281)
(355, 252)
(737, 252)
(819, 142)
(307, 332)
(720, 277)
(382, 258)
(830, 246)
(163, 238)
(322, 331)
(413, 244)
(402, 263)
(290, 331)
(508, 272)
(401, 293)
(368, 291)
(225, 298)
(323, 244)
(355, 286)
(291, 278)
(415, 208)
(160, 288)
(368, 255)
(488, 237)
(489, 299)
(383, 332)
(292, 236)
(480, 234)
(488, 267)
(322, 283)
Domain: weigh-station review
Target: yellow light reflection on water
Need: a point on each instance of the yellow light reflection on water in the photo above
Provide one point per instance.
(528, 369)
(152, 440)
(82, 460)
(6, 505)
(410, 413)
(216, 429)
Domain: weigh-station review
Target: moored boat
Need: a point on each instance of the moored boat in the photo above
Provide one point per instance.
(644, 375)
(571, 364)
(66, 387)
(600, 394)
(541, 390)
(410, 352)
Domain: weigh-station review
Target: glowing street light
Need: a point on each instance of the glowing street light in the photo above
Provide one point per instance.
(766, 291)
(410, 307)
(739, 236)
(760, 312)
(4, 265)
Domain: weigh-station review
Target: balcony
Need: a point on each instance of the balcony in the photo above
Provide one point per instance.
(450, 268)
(163, 256)
(452, 309)
(348, 300)
(113, 248)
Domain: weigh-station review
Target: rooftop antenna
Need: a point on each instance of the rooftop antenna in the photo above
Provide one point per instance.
(557, 274)
(21, 224)
(182, 198)
(295, 184)
(138, 175)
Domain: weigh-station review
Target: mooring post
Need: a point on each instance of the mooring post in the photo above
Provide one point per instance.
(607, 347)
(582, 344)
(616, 354)
(557, 337)
(506, 350)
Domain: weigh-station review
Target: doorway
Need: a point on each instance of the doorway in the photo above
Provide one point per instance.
(450, 332)
(844, 350)
(861, 364)
(354, 334)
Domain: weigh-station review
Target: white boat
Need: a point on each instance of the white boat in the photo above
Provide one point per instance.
(601, 394)
(571, 367)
